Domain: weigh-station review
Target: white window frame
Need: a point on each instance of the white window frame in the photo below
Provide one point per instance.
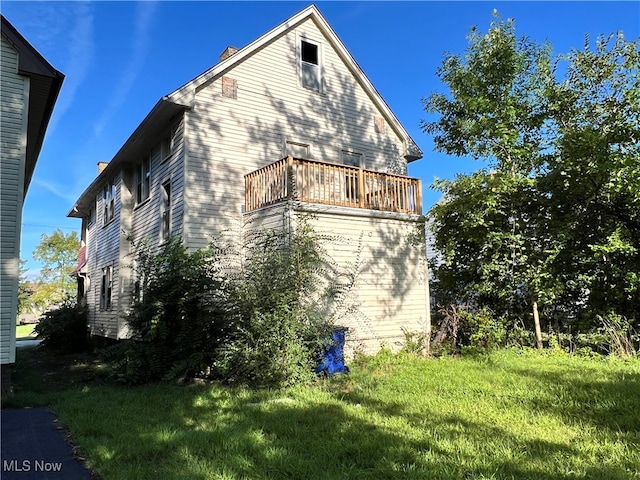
(165, 211)
(109, 207)
(309, 66)
(168, 144)
(143, 180)
(106, 288)
(297, 144)
(352, 153)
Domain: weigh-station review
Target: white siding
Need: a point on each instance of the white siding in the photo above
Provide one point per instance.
(230, 137)
(145, 218)
(385, 254)
(14, 101)
(103, 249)
(114, 244)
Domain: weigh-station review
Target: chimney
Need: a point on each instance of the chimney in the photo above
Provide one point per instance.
(227, 53)
(102, 166)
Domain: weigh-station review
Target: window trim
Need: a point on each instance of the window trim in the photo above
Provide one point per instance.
(106, 288)
(165, 209)
(143, 180)
(317, 67)
(352, 152)
(109, 199)
(168, 143)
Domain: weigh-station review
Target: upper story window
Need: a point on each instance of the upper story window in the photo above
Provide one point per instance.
(297, 149)
(168, 144)
(310, 65)
(106, 288)
(91, 218)
(143, 180)
(165, 212)
(109, 202)
(354, 159)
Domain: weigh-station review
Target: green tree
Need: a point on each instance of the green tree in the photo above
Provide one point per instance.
(552, 218)
(593, 175)
(496, 112)
(58, 254)
(25, 290)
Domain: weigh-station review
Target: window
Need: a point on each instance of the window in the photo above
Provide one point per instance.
(109, 198)
(310, 65)
(106, 288)
(353, 159)
(91, 217)
(165, 212)
(143, 180)
(297, 150)
(169, 143)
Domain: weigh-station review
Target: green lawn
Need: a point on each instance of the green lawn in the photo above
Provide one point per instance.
(25, 331)
(507, 416)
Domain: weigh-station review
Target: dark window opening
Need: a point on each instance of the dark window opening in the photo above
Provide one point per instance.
(309, 53)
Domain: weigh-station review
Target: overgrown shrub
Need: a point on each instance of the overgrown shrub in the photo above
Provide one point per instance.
(64, 328)
(177, 318)
(257, 314)
(485, 331)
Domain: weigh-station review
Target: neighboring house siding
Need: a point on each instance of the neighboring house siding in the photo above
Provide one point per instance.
(230, 137)
(14, 100)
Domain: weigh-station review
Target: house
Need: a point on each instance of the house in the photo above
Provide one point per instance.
(28, 93)
(289, 125)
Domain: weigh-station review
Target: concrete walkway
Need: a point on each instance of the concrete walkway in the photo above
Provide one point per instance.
(32, 448)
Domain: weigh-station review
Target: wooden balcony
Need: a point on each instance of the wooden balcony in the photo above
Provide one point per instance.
(326, 183)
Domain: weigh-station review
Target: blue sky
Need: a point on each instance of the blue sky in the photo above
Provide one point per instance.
(119, 58)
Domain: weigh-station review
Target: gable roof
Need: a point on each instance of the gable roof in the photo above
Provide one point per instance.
(182, 99)
(45, 86)
(185, 93)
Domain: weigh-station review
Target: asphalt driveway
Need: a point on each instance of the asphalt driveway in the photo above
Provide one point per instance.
(32, 447)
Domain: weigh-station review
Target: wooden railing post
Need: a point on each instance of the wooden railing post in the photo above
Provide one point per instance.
(419, 197)
(288, 186)
(361, 191)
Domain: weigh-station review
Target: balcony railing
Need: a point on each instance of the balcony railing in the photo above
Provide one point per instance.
(314, 181)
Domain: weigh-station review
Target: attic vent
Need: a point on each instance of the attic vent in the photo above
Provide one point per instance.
(229, 87)
(227, 53)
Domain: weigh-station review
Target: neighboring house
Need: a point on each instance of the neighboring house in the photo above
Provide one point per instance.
(29, 87)
(286, 125)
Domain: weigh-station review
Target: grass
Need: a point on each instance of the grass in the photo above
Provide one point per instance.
(510, 415)
(25, 332)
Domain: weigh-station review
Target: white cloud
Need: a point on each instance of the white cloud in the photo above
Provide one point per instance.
(79, 43)
(141, 43)
(60, 191)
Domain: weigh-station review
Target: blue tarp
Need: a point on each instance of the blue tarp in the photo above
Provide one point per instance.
(332, 361)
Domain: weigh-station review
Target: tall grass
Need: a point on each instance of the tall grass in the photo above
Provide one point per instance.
(509, 415)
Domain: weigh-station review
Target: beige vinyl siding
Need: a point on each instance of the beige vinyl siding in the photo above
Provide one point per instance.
(14, 101)
(103, 251)
(384, 252)
(145, 218)
(390, 289)
(231, 137)
(114, 244)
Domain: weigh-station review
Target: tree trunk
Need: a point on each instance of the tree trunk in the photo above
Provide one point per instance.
(536, 322)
